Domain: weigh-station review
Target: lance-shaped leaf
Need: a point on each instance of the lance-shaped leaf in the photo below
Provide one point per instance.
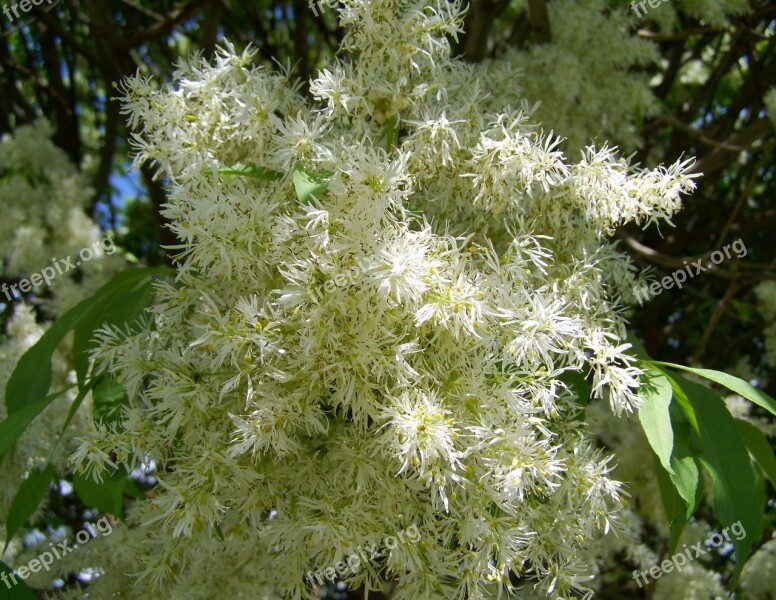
(106, 495)
(27, 499)
(31, 377)
(655, 417)
(725, 457)
(734, 384)
(14, 425)
(18, 590)
(253, 171)
(310, 184)
(759, 447)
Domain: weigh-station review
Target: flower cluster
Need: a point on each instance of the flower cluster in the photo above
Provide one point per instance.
(592, 80)
(766, 302)
(44, 198)
(38, 445)
(289, 420)
(592, 46)
(755, 578)
(51, 221)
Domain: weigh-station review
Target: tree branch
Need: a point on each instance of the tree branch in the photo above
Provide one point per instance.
(102, 177)
(719, 158)
(652, 256)
(540, 21)
(713, 322)
(161, 27)
(479, 20)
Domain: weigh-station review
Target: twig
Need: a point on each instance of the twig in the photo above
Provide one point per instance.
(713, 322)
(540, 21)
(675, 36)
(146, 11)
(650, 255)
(717, 159)
(697, 134)
(739, 204)
(175, 17)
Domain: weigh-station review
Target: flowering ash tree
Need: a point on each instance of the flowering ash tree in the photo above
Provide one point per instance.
(383, 294)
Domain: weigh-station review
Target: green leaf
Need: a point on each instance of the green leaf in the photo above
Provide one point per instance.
(679, 490)
(686, 476)
(18, 590)
(759, 448)
(655, 417)
(725, 457)
(119, 302)
(254, 171)
(639, 351)
(107, 496)
(674, 505)
(576, 382)
(13, 426)
(132, 490)
(760, 486)
(734, 384)
(108, 398)
(391, 133)
(682, 401)
(31, 492)
(308, 184)
(87, 387)
(31, 377)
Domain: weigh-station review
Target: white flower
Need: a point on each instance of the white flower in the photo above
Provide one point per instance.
(390, 352)
(422, 432)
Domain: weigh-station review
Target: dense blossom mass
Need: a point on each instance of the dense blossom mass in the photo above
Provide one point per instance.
(50, 222)
(393, 349)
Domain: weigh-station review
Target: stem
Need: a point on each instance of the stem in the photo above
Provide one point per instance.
(390, 132)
